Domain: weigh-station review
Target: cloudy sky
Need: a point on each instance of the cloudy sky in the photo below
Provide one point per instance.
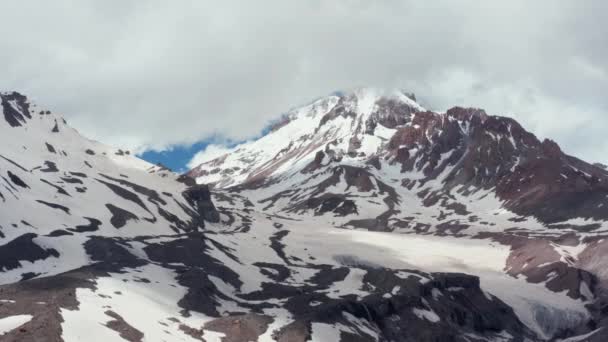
(163, 75)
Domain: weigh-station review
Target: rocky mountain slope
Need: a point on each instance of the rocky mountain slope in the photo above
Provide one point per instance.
(360, 217)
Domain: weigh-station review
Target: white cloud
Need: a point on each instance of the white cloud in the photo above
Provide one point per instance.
(156, 73)
(209, 153)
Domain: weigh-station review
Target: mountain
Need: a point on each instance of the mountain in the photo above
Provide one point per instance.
(433, 155)
(359, 217)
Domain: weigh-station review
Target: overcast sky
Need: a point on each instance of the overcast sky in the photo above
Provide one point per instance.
(154, 74)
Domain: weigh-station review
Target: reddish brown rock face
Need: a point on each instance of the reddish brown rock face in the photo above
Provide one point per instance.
(534, 178)
(539, 262)
(316, 163)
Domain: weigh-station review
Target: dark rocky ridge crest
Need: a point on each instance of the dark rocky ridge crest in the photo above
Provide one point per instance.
(16, 108)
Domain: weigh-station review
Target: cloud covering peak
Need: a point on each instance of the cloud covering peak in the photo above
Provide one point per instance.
(153, 74)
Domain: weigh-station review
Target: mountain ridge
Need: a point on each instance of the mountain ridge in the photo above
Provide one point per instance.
(323, 238)
(406, 128)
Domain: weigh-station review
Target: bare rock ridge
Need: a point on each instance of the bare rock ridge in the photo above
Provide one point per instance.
(361, 216)
(15, 109)
(199, 197)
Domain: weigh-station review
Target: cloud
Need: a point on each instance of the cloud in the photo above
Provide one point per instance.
(210, 152)
(151, 74)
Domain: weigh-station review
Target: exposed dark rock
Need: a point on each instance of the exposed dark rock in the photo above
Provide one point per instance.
(316, 163)
(111, 253)
(28, 275)
(337, 204)
(199, 197)
(125, 330)
(59, 189)
(191, 251)
(50, 148)
(55, 128)
(23, 248)
(55, 206)
(276, 272)
(16, 180)
(328, 275)
(151, 194)
(374, 224)
(14, 163)
(71, 180)
(92, 226)
(59, 232)
(15, 108)
(187, 180)
(451, 228)
(120, 216)
(49, 167)
(338, 111)
(78, 174)
(278, 246)
(124, 193)
(375, 162)
(390, 113)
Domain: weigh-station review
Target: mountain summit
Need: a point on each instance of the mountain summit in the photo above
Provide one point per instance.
(359, 217)
(356, 123)
(431, 156)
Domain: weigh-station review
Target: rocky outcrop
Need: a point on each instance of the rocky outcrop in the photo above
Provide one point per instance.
(445, 308)
(337, 204)
(470, 148)
(15, 108)
(199, 197)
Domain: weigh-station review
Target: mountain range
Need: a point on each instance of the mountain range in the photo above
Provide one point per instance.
(361, 216)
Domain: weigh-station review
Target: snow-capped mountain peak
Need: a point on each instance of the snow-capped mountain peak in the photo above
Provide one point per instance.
(356, 123)
(389, 137)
